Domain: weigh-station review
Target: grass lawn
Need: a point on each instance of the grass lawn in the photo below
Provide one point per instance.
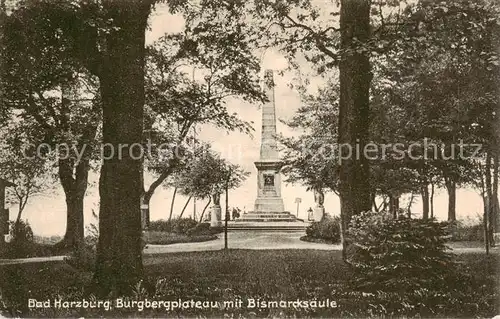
(165, 238)
(318, 240)
(237, 274)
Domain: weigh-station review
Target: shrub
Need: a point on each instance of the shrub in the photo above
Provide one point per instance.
(203, 229)
(160, 225)
(466, 230)
(178, 226)
(85, 257)
(327, 229)
(182, 225)
(398, 255)
(199, 229)
(22, 240)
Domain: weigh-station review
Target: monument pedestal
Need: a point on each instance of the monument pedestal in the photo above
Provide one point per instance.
(259, 216)
(318, 213)
(216, 216)
(269, 204)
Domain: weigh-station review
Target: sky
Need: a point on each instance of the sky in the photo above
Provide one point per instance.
(47, 214)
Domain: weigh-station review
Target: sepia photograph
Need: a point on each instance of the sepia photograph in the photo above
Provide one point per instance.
(249, 159)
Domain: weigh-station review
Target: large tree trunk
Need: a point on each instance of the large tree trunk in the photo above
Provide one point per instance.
(75, 187)
(451, 188)
(119, 250)
(425, 201)
(355, 77)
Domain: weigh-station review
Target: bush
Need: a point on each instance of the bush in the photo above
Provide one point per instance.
(327, 229)
(399, 255)
(178, 226)
(466, 230)
(22, 243)
(182, 225)
(203, 229)
(199, 229)
(160, 225)
(85, 257)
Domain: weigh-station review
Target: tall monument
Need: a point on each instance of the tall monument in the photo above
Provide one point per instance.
(269, 204)
(269, 165)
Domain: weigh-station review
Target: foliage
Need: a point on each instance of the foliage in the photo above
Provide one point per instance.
(84, 258)
(22, 243)
(191, 76)
(312, 158)
(163, 238)
(327, 229)
(208, 174)
(32, 177)
(273, 275)
(400, 254)
(178, 225)
(203, 229)
(51, 98)
(182, 225)
(466, 230)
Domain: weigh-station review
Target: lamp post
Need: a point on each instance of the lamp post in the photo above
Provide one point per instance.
(298, 200)
(227, 209)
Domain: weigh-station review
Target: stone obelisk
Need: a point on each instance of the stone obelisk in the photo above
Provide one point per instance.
(269, 165)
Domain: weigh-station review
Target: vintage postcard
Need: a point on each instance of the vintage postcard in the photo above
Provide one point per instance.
(249, 159)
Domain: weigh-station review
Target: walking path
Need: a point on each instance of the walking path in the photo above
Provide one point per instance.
(30, 260)
(245, 240)
(248, 240)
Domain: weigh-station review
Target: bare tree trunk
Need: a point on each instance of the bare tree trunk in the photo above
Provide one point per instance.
(172, 205)
(185, 205)
(432, 200)
(489, 195)
(425, 201)
(119, 250)
(451, 188)
(355, 77)
(485, 224)
(383, 205)
(412, 197)
(374, 203)
(494, 217)
(19, 213)
(205, 208)
(394, 205)
(148, 194)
